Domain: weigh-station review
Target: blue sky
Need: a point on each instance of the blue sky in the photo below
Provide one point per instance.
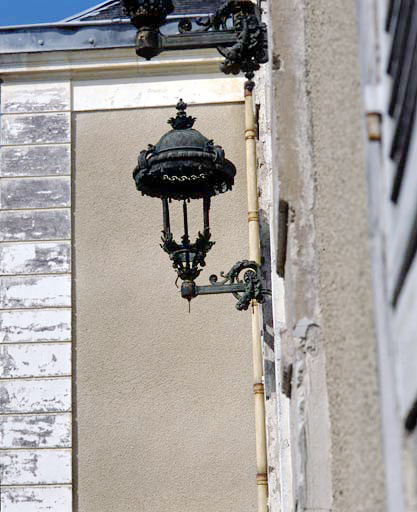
(22, 12)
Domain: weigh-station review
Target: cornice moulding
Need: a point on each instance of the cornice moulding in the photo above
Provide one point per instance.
(113, 62)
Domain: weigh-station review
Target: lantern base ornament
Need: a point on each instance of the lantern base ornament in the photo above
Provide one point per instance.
(246, 289)
(188, 259)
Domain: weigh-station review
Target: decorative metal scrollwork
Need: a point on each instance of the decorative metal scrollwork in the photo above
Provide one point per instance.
(251, 281)
(251, 48)
(236, 30)
(246, 289)
(188, 259)
(193, 177)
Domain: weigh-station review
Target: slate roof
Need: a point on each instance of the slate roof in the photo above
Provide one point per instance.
(113, 10)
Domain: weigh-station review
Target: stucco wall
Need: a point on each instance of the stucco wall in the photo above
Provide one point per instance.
(329, 338)
(164, 411)
(343, 249)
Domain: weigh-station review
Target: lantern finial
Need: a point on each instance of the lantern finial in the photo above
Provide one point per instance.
(182, 121)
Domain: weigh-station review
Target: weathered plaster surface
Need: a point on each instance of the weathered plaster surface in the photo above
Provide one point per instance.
(150, 92)
(302, 363)
(343, 249)
(329, 338)
(271, 339)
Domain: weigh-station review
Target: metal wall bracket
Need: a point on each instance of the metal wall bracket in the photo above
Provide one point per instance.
(236, 30)
(245, 289)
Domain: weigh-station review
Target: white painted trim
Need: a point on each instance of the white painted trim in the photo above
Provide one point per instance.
(405, 215)
(375, 44)
(406, 331)
(115, 62)
(140, 92)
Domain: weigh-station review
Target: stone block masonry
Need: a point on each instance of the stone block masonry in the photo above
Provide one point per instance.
(35, 297)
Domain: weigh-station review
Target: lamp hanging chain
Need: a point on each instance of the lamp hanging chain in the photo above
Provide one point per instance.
(186, 238)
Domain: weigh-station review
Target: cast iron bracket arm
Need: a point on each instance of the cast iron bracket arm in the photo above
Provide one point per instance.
(246, 290)
(197, 40)
(236, 30)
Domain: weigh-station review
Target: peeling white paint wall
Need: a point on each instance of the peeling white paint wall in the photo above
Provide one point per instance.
(35, 298)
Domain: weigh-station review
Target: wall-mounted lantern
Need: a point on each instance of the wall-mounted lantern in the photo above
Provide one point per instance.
(182, 166)
(185, 165)
(235, 29)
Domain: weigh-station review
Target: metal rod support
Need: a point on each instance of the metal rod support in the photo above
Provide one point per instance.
(186, 237)
(198, 40)
(219, 289)
(235, 29)
(206, 210)
(246, 289)
(167, 224)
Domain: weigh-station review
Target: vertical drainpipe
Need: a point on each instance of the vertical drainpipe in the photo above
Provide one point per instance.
(255, 255)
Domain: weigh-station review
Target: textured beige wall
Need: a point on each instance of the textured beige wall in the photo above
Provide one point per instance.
(164, 415)
(343, 248)
(330, 337)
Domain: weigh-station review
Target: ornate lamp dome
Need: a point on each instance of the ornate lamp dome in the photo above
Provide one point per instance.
(184, 164)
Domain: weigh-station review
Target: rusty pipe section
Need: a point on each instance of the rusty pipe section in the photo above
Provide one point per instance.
(255, 255)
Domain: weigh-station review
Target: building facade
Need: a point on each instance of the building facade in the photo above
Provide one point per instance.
(343, 139)
(113, 396)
